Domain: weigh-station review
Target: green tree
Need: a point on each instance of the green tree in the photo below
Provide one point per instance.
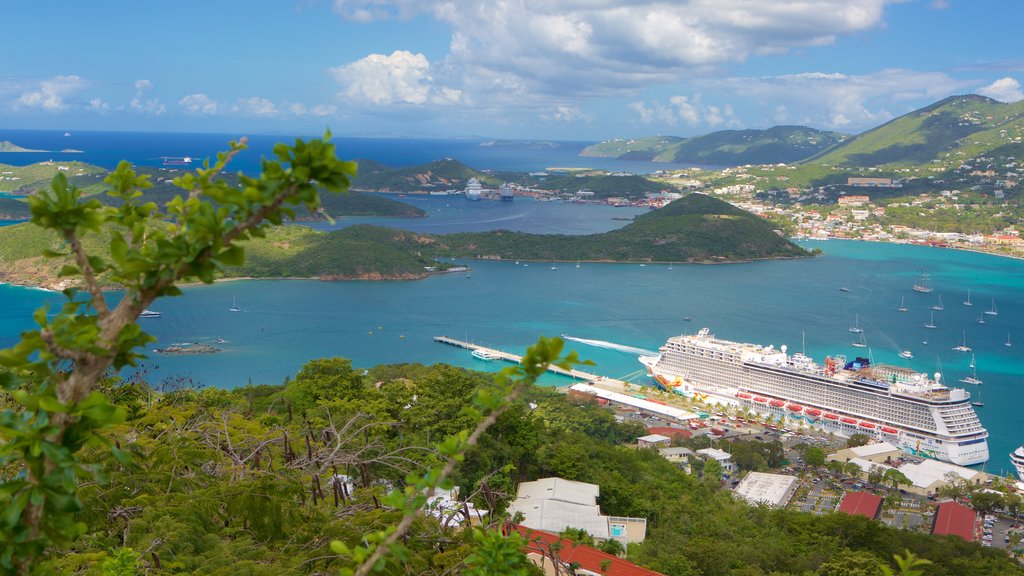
(612, 546)
(857, 439)
(54, 370)
(850, 563)
(814, 456)
(894, 478)
(906, 565)
(875, 474)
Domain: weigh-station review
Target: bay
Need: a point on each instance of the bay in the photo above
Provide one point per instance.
(507, 306)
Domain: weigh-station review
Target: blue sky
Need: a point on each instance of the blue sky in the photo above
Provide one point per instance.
(551, 69)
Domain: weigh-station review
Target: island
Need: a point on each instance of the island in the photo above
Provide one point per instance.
(8, 146)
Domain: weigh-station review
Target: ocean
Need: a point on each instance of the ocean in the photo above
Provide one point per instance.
(106, 149)
(617, 307)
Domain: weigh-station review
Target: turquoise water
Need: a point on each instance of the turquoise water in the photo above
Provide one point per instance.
(507, 306)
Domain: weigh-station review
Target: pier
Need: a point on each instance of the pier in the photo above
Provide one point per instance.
(602, 381)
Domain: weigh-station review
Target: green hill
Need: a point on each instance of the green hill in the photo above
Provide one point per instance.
(958, 127)
(784, 144)
(696, 228)
(604, 186)
(446, 174)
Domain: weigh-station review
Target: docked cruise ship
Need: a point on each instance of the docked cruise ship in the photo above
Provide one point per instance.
(1017, 457)
(473, 189)
(890, 403)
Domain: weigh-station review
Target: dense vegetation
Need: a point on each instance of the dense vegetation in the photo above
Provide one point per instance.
(604, 186)
(242, 482)
(723, 148)
(958, 127)
(441, 175)
(696, 228)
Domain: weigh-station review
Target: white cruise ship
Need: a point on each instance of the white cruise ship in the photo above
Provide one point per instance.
(473, 189)
(1017, 457)
(891, 403)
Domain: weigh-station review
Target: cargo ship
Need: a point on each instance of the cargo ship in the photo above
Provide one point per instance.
(890, 403)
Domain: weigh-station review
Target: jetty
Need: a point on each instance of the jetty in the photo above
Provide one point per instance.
(603, 381)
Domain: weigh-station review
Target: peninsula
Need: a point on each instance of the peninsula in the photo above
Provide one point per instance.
(696, 228)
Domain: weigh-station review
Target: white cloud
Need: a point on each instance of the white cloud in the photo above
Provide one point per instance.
(299, 109)
(98, 105)
(841, 101)
(1005, 90)
(50, 95)
(199, 104)
(686, 110)
(142, 85)
(255, 106)
(939, 4)
(399, 78)
(600, 46)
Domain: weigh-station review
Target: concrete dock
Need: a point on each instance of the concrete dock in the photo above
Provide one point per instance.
(602, 381)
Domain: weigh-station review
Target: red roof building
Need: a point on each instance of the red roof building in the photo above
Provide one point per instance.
(955, 518)
(587, 557)
(669, 431)
(863, 504)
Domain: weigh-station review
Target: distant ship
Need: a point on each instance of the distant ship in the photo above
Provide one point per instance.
(505, 191)
(473, 189)
(921, 284)
(150, 314)
(891, 403)
(906, 354)
(1017, 457)
(177, 160)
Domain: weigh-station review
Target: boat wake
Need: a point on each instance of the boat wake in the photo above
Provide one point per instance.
(611, 346)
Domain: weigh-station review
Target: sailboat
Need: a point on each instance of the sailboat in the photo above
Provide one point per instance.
(921, 284)
(981, 319)
(978, 402)
(577, 263)
(861, 343)
(992, 311)
(234, 306)
(1007, 343)
(973, 378)
(925, 340)
(931, 323)
(856, 329)
(939, 307)
(903, 305)
(968, 301)
(963, 347)
(553, 267)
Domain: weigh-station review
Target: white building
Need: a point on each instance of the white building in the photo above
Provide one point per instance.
(771, 489)
(554, 504)
(723, 458)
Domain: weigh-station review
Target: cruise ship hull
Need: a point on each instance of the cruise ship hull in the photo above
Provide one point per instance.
(920, 416)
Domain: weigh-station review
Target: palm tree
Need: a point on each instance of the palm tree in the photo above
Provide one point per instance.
(895, 478)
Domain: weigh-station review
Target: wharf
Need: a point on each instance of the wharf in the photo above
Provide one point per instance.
(600, 381)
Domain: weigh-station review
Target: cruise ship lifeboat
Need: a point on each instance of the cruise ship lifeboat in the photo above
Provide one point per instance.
(831, 416)
(777, 403)
(795, 408)
(760, 400)
(813, 412)
(848, 421)
(743, 396)
(867, 425)
(889, 430)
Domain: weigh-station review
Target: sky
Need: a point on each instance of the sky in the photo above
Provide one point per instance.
(516, 69)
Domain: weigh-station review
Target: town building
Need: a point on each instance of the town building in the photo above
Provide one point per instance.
(861, 504)
(723, 458)
(956, 519)
(554, 504)
(653, 441)
(555, 555)
(771, 489)
(853, 200)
